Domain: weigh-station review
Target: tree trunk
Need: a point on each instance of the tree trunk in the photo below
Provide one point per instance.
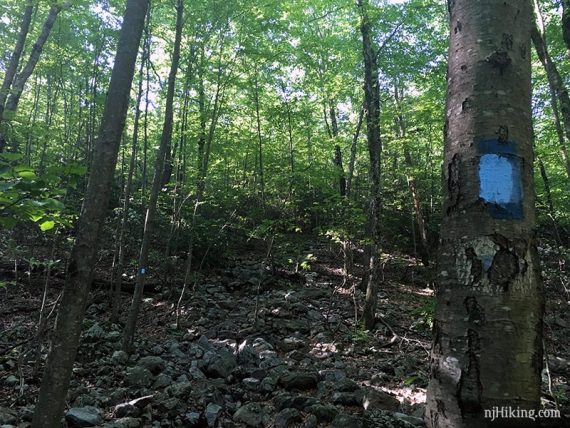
(566, 24)
(259, 139)
(372, 110)
(130, 327)
(118, 268)
(416, 201)
(555, 83)
(352, 161)
(16, 55)
(65, 339)
(21, 79)
(487, 334)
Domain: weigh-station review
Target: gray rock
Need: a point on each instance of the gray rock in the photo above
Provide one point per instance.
(291, 343)
(268, 385)
(196, 374)
(343, 420)
(346, 385)
(113, 336)
(332, 375)
(193, 419)
(212, 414)
(139, 376)
(221, 365)
(162, 381)
(95, 332)
(152, 363)
(287, 417)
(125, 423)
(311, 421)
(347, 398)
(325, 413)
(11, 380)
(417, 422)
(299, 402)
(379, 400)
(299, 380)
(87, 416)
(251, 383)
(120, 357)
(180, 389)
(7, 416)
(252, 415)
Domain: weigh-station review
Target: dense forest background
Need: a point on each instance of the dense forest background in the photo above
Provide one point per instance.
(267, 154)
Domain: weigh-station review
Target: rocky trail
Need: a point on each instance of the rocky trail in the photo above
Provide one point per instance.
(257, 347)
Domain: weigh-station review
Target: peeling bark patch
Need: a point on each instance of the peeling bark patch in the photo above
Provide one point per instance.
(470, 387)
(503, 134)
(499, 59)
(507, 42)
(476, 265)
(504, 269)
(474, 310)
(466, 104)
(458, 27)
(453, 184)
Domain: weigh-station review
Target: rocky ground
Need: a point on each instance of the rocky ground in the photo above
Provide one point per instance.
(258, 347)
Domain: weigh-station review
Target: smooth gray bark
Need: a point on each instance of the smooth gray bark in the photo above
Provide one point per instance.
(487, 334)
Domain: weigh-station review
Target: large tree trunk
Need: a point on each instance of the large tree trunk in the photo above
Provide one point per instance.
(487, 335)
(130, 327)
(372, 111)
(67, 330)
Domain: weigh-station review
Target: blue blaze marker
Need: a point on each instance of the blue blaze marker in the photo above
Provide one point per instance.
(500, 180)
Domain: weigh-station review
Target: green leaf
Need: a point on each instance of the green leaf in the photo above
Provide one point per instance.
(11, 156)
(47, 225)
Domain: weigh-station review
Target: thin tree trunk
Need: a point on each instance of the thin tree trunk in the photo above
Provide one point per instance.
(130, 327)
(65, 339)
(22, 77)
(341, 176)
(487, 333)
(372, 110)
(566, 25)
(416, 201)
(555, 82)
(352, 161)
(259, 140)
(119, 266)
(15, 57)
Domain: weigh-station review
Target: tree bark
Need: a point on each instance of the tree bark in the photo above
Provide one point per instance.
(372, 111)
(22, 77)
(487, 334)
(566, 24)
(15, 57)
(67, 330)
(555, 83)
(130, 327)
(416, 201)
(118, 268)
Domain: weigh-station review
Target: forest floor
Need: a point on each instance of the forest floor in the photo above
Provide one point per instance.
(262, 344)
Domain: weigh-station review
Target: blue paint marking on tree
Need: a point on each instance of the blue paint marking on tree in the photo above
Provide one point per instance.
(500, 182)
